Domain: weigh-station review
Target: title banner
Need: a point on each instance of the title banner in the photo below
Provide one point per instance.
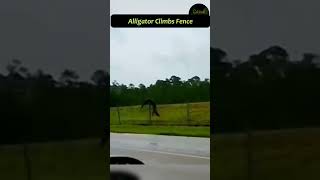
(159, 20)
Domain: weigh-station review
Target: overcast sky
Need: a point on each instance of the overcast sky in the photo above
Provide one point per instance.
(249, 26)
(58, 34)
(146, 55)
(54, 35)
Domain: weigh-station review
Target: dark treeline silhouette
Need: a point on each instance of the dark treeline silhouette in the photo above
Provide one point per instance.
(168, 91)
(268, 91)
(36, 107)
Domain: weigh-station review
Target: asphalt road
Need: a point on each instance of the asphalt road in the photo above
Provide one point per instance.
(165, 157)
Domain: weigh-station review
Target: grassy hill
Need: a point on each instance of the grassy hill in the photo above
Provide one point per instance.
(193, 114)
(175, 119)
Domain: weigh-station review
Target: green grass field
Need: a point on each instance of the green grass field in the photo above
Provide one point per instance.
(279, 155)
(170, 114)
(194, 131)
(77, 160)
(175, 119)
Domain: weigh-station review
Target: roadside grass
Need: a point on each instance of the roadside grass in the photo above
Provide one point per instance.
(279, 155)
(195, 131)
(78, 160)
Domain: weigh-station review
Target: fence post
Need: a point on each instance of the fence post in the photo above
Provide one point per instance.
(188, 113)
(249, 151)
(118, 110)
(27, 160)
(150, 114)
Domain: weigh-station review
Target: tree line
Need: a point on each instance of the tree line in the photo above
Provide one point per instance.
(169, 91)
(35, 106)
(17, 73)
(269, 90)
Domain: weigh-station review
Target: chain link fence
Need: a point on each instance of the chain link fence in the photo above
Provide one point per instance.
(189, 114)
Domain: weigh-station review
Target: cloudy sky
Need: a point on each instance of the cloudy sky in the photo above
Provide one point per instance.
(249, 26)
(58, 34)
(53, 35)
(148, 54)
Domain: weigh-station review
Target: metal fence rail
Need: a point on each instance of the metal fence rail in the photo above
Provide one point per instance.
(189, 114)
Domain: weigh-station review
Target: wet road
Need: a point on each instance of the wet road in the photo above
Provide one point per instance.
(165, 157)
